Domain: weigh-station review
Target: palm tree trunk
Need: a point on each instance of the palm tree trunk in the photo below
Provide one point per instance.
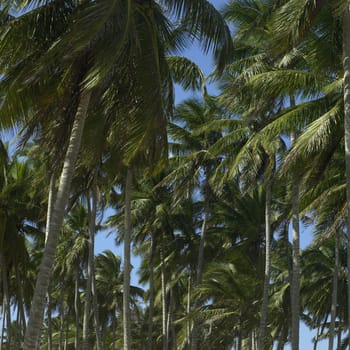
(43, 279)
(127, 262)
(3, 324)
(338, 338)
(346, 66)
(6, 298)
(295, 285)
(20, 301)
(66, 336)
(334, 294)
(164, 296)
(151, 294)
(172, 323)
(87, 305)
(60, 346)
(188, 310)
(50, 203)
(316, 338)
(200, 264)
(17, 336)
(263, 320)
(76, 307)
(114, 328)
(49, 321)
(92, 231)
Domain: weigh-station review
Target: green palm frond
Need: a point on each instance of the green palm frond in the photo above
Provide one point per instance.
(204, 22)
(287, 82)
(320, 132)
(186, 73)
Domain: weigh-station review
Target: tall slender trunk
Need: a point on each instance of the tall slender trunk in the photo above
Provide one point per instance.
(87, 305)
(22, 324)
(114, 328)
(171, 319)
(200, 264)
(76, 307)
(320, 331)
(96, 313)
(316, 338)
(127, 262)
(3, 323)
(295, 285)
(49, 321)
(334, 294)
(346, 66)
(62, 318)
(265, 300)
(17, 336)
(164, 296)
(338, 338)
(188, 310)
(151, 293)
(66, 335)
(92, 231)
(6, 300)
(43, 279)
(50, 203)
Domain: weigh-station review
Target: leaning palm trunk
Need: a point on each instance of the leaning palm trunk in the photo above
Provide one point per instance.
(346, 65)
(263, 320)
(43, 279)
(127, 262)
(295, 283)
(334, 294)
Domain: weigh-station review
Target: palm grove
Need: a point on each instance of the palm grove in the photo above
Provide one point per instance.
(206, 193)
